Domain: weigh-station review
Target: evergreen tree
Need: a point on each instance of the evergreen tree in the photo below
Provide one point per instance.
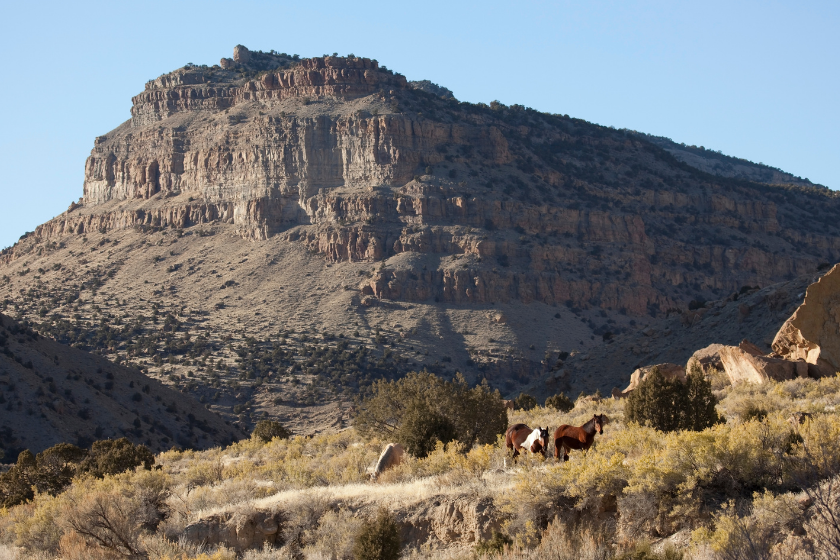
(524, 402)
(701, 412)
(560, 402)
(422, 428)
(266, 430)
(421, 409)
(657, 402)
(670, 404)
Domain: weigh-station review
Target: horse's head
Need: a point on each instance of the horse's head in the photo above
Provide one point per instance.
(544, 436)
(600, 420)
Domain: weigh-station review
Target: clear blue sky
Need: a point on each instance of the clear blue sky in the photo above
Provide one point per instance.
(757, 80)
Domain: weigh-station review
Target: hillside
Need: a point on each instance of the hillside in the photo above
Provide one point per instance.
(751, 313)
(50, 393)
(271, 234)
(722, 165)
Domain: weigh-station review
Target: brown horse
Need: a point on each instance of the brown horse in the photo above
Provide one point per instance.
(574, 437)
(520, 436)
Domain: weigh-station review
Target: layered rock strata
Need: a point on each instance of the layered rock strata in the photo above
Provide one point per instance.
(747, 363)
(344, 156)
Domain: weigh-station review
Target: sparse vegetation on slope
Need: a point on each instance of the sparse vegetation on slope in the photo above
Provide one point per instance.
(482, 206)
(51, 394)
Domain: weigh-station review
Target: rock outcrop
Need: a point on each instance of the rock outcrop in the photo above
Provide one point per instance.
(449, 522)
(747, 363)
(812, 334)
(239, 531)
(438, 522)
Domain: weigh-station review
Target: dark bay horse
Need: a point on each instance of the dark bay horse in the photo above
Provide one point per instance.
(520, 436)
(574, 437)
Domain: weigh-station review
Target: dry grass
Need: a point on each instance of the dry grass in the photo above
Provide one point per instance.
(660, 483)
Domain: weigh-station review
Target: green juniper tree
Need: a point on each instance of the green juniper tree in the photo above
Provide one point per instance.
(421, 409)
(671, 404)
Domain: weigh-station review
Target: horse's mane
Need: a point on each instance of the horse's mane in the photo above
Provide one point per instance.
(589, 427)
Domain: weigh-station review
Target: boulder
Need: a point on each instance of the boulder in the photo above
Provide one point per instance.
(750, 348)
(670, 371)
(707, 358)
(391, 457)
(746, 363)
(812, 333)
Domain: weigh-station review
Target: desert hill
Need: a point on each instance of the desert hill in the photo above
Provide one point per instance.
(50, 393)
(271, 234)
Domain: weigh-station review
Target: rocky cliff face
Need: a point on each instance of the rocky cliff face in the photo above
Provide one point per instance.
(811, 334)
(340, 162)
(343, 156)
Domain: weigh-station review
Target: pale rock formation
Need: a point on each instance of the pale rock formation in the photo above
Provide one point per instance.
(391, 457)
(812, 333)
(435, 522)
(448, 522)
(747, 363)
(670, 371)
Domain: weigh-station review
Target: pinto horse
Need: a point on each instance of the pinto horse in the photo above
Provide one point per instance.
(574, 437)
(520, 436)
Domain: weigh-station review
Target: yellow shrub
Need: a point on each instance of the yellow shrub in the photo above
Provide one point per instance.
(129, 498)
(754, 534)
(593, 476)
(37, 526)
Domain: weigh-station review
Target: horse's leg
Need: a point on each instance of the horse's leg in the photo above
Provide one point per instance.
(566, 452)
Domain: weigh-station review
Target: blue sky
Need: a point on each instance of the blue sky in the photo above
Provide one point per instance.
(757, 80)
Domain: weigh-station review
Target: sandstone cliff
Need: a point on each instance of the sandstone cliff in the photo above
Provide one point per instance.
(330, 194)
(812, 333)
(363, 167)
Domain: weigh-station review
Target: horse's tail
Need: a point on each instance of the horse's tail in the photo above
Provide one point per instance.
(509, 438)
